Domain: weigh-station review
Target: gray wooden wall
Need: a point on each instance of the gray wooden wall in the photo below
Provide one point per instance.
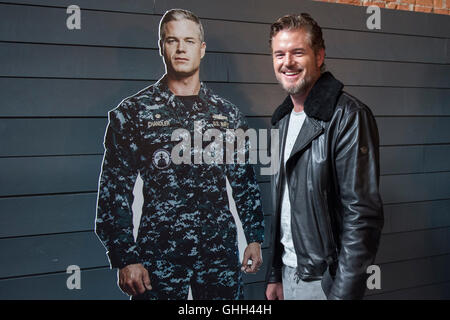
(57, 85)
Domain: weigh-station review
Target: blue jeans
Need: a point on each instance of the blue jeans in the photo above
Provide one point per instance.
(302, 290)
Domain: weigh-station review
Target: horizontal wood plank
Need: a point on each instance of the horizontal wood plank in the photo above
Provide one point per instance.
(68, 174)
(411, 274)
(99, 284)
(94, 98)
(70, 136)
(26, 256)
(51, 253)
(27, 176)
(47, 214)
(440, 291)
(34, 215)
(416, 216)
(414, 187)
(328, 15)
(64, 61)
(395, 131)
(413, 245)
(43, 25)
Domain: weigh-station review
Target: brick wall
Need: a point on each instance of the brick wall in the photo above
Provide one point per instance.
(431, 6)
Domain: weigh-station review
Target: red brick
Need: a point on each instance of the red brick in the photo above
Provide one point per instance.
(353, 2)
(391, 5)
(424, 3)
(438, 4)
(423, 9)
(374, 3)
(441, 11)
(406, 7)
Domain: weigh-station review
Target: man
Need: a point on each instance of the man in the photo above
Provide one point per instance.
(187, 235)
(327, 209)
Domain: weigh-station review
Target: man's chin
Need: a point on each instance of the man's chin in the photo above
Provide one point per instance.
(182, 73)
(300, 88)
(294, 89)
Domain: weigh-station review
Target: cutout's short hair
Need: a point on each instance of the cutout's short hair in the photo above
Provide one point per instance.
(177, 15)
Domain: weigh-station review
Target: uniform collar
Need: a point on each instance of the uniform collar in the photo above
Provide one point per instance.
(320, 102)
(162, 86)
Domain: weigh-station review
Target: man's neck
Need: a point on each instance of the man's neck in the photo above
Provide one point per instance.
(187, 86)
(299, 99)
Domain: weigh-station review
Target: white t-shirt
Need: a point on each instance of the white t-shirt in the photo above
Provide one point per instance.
(289, 256)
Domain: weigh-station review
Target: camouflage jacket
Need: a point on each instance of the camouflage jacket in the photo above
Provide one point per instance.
(182, 202)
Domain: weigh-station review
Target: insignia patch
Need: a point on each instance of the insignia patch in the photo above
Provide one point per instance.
(223, 124)
(161, 159)
(219, 117)
(158, 123)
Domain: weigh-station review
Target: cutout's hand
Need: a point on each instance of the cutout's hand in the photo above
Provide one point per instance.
(134, 279)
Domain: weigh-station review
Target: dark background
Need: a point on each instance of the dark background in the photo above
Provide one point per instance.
(57, 85)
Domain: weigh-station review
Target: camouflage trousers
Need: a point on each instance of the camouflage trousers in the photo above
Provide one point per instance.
(212, 274)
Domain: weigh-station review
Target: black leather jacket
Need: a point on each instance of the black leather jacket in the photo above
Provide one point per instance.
(333, 178)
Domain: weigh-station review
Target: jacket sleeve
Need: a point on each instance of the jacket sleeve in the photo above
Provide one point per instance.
(357, 174)
(114, 221)
(246, 193)
(275, 274)
(276, 248)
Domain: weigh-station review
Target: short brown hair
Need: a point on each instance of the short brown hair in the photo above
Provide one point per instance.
(300, 21)
(176, 15)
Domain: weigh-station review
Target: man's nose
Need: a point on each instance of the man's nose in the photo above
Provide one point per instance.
(181, 46)
(288, 60)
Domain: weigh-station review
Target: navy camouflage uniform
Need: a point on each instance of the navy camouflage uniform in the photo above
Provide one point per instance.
(187, 234)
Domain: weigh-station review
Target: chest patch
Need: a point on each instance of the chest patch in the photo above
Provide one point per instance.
(159, 123)
(161, 159)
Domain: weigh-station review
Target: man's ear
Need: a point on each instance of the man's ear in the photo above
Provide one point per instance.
(320, 57)
(161, 48)
(203, 49)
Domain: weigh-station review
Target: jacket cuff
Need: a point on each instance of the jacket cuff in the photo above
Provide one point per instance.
(257, 236)
(121, 259)
(275, 275)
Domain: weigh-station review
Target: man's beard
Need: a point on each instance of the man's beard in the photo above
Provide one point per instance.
(300, 88)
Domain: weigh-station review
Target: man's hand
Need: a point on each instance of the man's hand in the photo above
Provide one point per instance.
(252, 252)
(134, 279)
(274, 291)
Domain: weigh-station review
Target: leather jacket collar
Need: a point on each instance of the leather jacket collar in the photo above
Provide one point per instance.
(319, 104)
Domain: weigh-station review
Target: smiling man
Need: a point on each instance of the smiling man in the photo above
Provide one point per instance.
(328, 212)
(187, 235)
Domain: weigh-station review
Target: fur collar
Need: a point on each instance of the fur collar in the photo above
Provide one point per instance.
(320, 102)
